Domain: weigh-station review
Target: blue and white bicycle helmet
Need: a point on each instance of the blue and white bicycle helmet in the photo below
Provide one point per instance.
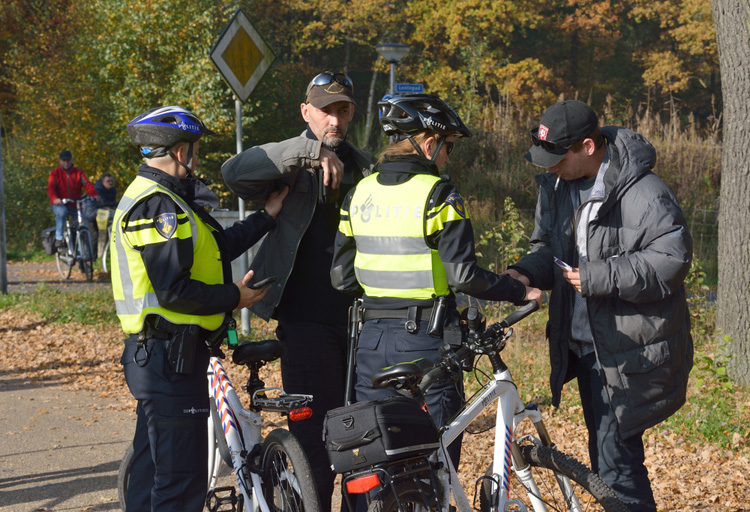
(162, 127)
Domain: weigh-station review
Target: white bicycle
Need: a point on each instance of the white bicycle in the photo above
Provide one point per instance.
(526, 473)
(272, 473)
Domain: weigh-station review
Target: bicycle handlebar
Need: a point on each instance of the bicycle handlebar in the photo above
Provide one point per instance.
(494, 331)
(519, 314)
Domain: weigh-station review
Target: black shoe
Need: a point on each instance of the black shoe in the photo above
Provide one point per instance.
(59, 243)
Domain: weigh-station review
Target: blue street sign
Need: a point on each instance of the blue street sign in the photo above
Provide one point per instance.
(409, 88)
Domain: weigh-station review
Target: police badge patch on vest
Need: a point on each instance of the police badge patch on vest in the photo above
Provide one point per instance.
(457, 203)
(166, 224)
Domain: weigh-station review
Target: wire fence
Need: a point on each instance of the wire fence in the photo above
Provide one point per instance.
(704, 227)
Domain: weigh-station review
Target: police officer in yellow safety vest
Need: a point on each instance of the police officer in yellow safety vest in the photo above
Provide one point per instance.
(406, 245)
(171, 279)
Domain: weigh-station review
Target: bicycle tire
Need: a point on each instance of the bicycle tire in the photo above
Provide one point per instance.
(123, 475)
(63, 267)
(287, 478)
(105, 256)
(592, 492)
(87, 255)
(413, 495)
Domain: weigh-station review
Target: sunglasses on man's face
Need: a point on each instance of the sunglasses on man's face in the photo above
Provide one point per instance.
(327, 77)
(551, 147)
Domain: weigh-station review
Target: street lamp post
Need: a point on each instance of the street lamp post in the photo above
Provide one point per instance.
(392, 53)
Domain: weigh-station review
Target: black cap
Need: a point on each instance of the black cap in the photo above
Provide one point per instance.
(562, 125)
(66, 155)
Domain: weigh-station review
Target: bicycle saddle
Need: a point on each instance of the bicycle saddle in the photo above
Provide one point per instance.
(256, 351)
(401, 371)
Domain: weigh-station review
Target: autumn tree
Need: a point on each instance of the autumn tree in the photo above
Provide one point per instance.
(732, 21)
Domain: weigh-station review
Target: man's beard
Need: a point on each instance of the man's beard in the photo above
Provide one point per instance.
(333, 140)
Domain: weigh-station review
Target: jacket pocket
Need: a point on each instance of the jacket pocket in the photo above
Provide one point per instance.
(645, 375)
(643, 359)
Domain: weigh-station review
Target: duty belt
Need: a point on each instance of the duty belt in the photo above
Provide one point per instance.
(423, 313)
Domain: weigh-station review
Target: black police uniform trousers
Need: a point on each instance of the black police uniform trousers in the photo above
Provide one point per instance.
(385, 342)
(314, 363)
(169, 470)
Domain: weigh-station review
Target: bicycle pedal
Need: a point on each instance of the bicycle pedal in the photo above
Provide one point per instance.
(229, 502)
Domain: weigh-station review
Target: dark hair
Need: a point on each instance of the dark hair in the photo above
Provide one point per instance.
(595, 135)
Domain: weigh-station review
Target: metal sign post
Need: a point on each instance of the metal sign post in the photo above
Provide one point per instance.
(242, 57)
(3, 252)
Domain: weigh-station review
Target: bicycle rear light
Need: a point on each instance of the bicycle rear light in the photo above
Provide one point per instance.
(362, 484)
(302, 413)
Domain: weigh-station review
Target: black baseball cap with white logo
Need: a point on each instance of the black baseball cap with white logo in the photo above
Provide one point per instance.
(561, 126)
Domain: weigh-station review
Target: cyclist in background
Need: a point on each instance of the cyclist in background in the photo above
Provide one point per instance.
(66, 182)
(171, 280)
(105, 188)
(406, 245)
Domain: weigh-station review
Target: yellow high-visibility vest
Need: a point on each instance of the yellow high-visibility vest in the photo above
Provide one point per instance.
(133, 292)
(389, 224)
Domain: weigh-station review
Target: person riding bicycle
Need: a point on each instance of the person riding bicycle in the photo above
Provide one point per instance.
(171, 280)
(66, 182)
(406, 245)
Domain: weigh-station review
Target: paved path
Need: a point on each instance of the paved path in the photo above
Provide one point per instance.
(59, 449)
(25, 276)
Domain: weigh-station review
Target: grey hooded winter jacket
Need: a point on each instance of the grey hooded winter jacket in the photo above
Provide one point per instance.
(639, 251)
(260, 170)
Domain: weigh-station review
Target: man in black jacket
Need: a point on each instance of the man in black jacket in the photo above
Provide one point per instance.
(319, 166)
(612, 244)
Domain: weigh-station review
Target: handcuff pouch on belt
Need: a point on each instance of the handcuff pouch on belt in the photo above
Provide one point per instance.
(437, 318)
(180, 343)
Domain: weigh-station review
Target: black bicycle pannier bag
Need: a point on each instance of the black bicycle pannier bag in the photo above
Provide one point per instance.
(368, 433)
(48, 240)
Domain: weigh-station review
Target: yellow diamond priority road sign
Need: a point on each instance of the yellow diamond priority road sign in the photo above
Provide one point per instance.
(241, 55)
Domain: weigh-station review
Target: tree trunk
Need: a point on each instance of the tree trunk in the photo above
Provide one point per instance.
(732, 21)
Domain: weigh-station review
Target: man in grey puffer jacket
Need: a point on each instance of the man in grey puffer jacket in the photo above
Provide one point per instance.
(618, 317)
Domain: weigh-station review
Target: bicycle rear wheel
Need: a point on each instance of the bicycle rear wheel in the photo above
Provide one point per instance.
(123, 475)
(87, 255)
(548, 467)
(288, 483)
(413, 495)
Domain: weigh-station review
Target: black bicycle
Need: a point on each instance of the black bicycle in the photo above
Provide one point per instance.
(77, 244)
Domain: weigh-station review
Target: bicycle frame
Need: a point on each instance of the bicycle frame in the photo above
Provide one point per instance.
(511, 411)
(73, 232)
(242, 431)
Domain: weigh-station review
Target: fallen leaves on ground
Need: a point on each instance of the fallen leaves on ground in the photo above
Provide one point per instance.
(684, 477)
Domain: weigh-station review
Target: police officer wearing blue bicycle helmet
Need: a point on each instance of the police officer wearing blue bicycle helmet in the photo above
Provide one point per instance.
(406, 246)
(171, 280)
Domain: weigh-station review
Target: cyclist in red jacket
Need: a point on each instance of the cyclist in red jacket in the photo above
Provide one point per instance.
(66, 182)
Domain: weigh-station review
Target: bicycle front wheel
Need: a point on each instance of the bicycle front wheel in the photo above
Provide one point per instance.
(105, 257)
(87, 255)
(563, 483)
(64, 264)
(288, 483)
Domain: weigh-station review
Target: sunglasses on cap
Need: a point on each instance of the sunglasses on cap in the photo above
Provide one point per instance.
(328, 77)
(551, 147)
